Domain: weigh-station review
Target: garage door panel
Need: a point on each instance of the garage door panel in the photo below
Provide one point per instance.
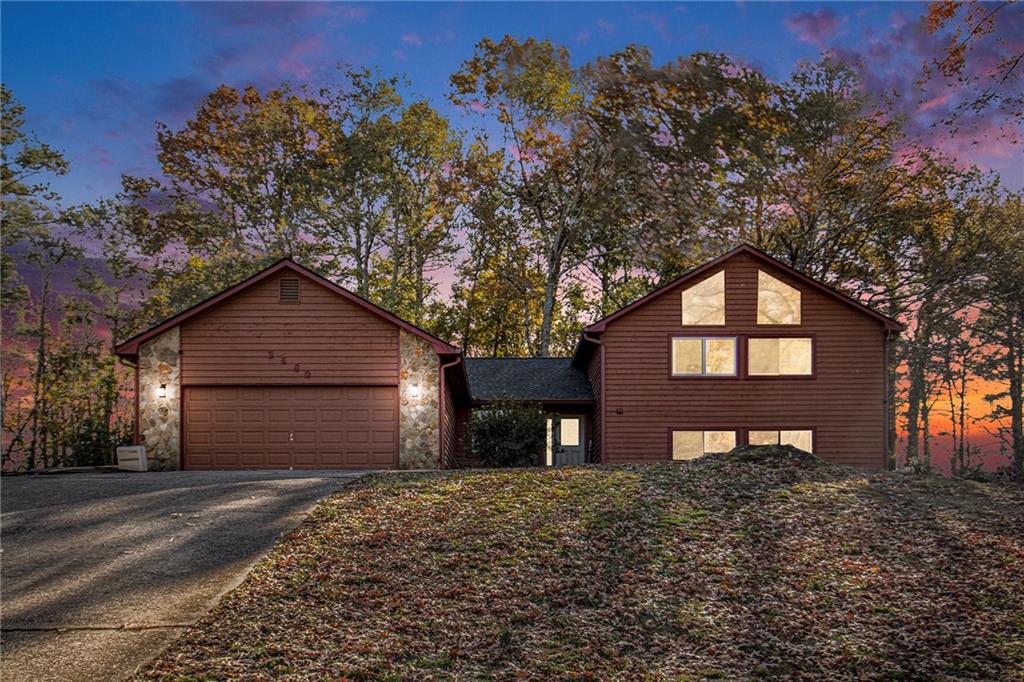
(383, 438)
(359, 437)
(305, 416)
(279, 459)
(330, 437)
(278, 438)
(278, 415)
(303, 438)
(358, 415)
(225, 437)
(383, 415)
(290, 426)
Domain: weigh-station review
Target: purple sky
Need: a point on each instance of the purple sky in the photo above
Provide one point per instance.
(96, 77)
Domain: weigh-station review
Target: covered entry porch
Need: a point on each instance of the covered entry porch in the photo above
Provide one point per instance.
(562, 391)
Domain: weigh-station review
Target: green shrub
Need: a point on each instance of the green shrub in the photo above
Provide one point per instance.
(508, 434)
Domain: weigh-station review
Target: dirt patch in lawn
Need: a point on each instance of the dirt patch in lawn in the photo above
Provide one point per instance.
(731, 566)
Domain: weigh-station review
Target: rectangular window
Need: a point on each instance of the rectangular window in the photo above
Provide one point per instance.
(704, 302)
(798, 438)
(763, 437)
(780, 357)
(703, 356)
(569, 432)
(693, 444)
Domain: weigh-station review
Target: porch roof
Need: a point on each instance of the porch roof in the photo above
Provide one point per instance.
(527, 379)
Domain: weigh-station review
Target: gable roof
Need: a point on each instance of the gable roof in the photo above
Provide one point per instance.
(528, 379)
(887, 322)
(131, 346)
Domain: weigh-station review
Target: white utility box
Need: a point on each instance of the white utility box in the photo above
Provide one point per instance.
(131, 458)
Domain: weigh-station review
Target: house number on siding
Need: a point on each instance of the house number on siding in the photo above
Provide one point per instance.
(296, 367)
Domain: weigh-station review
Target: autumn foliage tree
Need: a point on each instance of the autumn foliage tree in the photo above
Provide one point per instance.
(555, 172)
(975, 59)
(578, 188)
(62, 400)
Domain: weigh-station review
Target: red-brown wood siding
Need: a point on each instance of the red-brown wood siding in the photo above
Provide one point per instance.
(843, 402)
(594, 374)
(464, 458)
(252, 338)
(449, 430)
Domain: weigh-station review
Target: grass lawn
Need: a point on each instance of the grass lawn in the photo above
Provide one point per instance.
(718, 568)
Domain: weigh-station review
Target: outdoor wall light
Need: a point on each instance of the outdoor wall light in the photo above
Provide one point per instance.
(162, 391)
(415, 391)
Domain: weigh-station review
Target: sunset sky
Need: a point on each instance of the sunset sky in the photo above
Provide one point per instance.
(95, 78)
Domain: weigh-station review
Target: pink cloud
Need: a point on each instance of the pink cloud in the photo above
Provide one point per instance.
(521, 154)
(658, 23)
(294, 61)
(606, 26)
(889, 63)
(985, 141)
(101, 156)
(934, 102)
(583, 37)
(814, 27)
(231, 16)
(412, 39)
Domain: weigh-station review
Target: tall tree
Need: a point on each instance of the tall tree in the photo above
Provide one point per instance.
(986, 63)
(958, 354)
(1000, 325)
(48, 255)
(386, 211)
(354, 214)
(494, 304)
(939, 256)
(28, 206)
(690, 134)
(428, 195)
(555, 168)
(238, 180)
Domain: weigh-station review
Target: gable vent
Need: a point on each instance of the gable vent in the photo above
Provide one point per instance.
(289, 290)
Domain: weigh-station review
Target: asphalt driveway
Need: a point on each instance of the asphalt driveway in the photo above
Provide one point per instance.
(101, 570)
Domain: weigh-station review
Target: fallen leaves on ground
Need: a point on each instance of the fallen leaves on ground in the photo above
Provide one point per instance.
(740, 566)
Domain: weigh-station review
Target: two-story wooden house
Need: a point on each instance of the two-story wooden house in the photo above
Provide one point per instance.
(288, 370)
(743, 349)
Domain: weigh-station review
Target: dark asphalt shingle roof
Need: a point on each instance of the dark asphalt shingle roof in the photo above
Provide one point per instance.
(534, 379)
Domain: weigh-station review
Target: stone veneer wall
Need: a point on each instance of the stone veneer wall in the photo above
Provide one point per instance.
(160, 418)
(419, 445)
